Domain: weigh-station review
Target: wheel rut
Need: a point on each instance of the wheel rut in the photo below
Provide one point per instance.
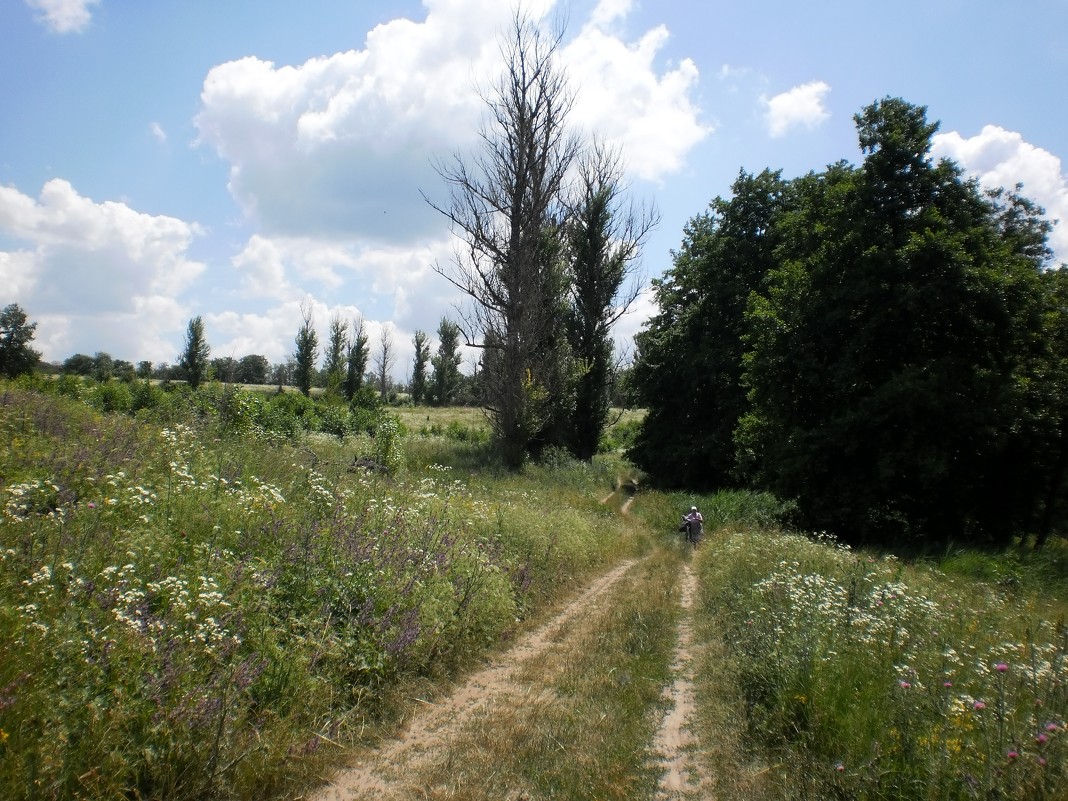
(675, 739)
(385, 772)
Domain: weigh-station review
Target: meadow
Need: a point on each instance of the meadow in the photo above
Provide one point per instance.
(842, 674)
(195, 606)
(203, 597)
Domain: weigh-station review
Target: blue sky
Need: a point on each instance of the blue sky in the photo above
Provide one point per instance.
(244, 159)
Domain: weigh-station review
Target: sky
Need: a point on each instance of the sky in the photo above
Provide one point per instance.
(249, 161)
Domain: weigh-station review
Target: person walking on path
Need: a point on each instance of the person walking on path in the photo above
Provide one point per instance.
(694, 526)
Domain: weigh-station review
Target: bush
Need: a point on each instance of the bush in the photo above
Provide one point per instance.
(111, 396)
(387, 444)
(288, 414)
(145, 395)
(334, 420)
(70, 385)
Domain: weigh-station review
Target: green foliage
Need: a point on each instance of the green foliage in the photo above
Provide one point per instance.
(79, 364)
(194, 361)
(688, 371)
(16, 333)
(111, 396)
(306, 355)
(387, 444)
(356, 360)
(420, 379)
(187, 614)
(621, 436)
(445, 378)
(876, 342)
(863, 677)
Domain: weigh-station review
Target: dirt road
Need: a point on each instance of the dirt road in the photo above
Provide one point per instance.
(387, 772)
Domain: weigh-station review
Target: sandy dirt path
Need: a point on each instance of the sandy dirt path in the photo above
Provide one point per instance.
(675, 739)
(383, 773)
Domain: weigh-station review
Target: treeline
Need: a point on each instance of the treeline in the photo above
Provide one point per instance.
(885, 344)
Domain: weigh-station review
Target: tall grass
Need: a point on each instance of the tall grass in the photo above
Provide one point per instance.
(190, 614)
(863, 677)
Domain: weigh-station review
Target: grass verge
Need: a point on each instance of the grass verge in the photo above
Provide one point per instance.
(847, 675)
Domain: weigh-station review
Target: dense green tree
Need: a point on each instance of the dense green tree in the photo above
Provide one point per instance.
(144, 369)
(282, 373)
(225, 369)
(882, 344)
(446, 376)
(604, 238)
(356, 359)
(16, 333)
(124, 371)
(306, 354)
(1036, 468)
(883, 357)
(687, 373)
(103, 366)
(335, 362)
(194, 361)
(253, 369)
(419, 389)
(79, 364)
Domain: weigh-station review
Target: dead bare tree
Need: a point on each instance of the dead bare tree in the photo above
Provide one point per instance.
(506, 207)
(384, 358)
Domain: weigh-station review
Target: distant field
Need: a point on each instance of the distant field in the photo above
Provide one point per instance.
(416, 417)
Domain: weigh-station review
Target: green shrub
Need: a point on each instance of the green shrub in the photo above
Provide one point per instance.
(145, 395)
(620, 436)
(69, 385)
(388, 444)
(111, 396)
(363, 420)
(334, 419)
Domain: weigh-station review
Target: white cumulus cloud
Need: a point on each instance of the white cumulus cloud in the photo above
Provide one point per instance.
(1001, 158)
(801, 106)
(620, 96)
(95, 272)
(64, 16)
(343, 144)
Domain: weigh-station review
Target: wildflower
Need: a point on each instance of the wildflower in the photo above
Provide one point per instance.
(1001, 667)
(1051, 727)
(947, 684)
(1013, 753)
(979, 705)
(1042, 762)
(1041, 738)
(839, 767)
(904, 685)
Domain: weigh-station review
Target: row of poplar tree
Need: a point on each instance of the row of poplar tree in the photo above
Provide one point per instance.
(886, 344)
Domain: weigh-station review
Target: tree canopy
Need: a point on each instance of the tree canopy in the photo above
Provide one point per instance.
(16, 333)
(869, 341)
(194, 361)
